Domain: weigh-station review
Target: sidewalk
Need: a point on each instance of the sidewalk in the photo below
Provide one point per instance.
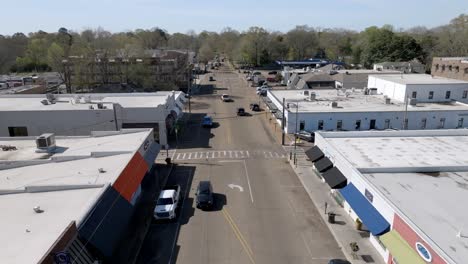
(344, 230)
(130, 245)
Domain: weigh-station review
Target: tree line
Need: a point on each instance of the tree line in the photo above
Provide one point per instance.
(42, 51)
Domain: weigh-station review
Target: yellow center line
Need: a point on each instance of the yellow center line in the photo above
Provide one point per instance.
(239, 236)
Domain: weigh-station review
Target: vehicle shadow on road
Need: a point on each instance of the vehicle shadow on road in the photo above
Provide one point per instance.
(219, 202)
(194, 135)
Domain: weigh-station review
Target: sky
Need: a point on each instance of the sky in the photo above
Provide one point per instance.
(181, 16)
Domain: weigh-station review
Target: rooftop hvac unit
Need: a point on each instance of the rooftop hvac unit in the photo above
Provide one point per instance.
(412, 101)
(372, 91)
(305, 93)
(45, 142)
(387, 100)
(100, 106)
(334, 104)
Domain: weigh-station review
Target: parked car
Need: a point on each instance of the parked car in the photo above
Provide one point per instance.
(306, 135)
(338, 261)
(249, 78)
(254, 107)
(271, 79)
(211, 78)
(262, 92)
(241, 111)
(204, 195)
(207, 121)
(225, 98)
(167, 203)
(273, 72)
(264, 86)
(257, 73)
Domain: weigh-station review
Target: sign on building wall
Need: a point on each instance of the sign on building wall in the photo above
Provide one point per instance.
(369, 195)
(423, 252)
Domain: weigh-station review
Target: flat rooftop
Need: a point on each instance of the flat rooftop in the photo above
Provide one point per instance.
(395, 161)
(69, 102)
(76, 167)
(355, 102)
(418, 79)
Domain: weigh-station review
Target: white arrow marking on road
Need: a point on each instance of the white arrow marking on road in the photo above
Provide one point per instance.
(232, 186)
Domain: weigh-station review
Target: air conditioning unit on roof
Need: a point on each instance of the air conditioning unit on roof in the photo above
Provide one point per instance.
(45, 143)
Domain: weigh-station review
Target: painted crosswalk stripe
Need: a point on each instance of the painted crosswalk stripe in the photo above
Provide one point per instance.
(184, 156)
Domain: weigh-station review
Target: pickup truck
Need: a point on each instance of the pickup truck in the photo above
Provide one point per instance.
(167, 203)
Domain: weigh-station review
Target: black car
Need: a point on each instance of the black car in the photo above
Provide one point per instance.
(254, 107)
(273, 73)
(204, 195)
(338, 261)
(241, 111)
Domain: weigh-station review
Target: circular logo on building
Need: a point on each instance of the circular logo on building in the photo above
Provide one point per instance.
(423, 252)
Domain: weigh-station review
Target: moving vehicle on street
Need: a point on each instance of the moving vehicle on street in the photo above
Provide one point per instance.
(226, 98)
(306, 135)
(255, 107)
(204, 195)
(241, 111)
(207, 121)
(167, 203)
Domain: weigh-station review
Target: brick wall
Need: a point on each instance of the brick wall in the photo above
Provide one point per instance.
(455, 69)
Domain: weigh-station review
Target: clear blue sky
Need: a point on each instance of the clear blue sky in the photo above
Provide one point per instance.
(181, 16)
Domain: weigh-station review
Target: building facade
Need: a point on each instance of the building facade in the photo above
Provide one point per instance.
(450, 67)
(74, 115)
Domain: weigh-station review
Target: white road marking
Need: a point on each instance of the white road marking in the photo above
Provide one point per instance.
(248, 154)
(173, 154)
(230, 154)
(248, 181)
(277, 155)
(178, 156)
(184, 156)
(271, 154)
(235, 154)
(232, 186)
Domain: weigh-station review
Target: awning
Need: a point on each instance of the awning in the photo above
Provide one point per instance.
(335, 178)
(314, 154)
(374, 221)
(400, 249)
(323, 164)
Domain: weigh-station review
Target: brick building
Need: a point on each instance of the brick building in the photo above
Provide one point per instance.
(450, 67)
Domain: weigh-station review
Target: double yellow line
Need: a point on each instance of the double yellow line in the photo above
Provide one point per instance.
(239, 236)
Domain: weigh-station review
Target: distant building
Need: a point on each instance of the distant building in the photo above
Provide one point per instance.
(420, 87)
(413, 66)
(405, 189)
(71, 199)
(450, 67)
(79, 114)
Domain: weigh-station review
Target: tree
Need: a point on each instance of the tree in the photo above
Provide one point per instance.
(301, 40)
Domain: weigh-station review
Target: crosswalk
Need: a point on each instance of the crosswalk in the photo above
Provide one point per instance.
(225, 154)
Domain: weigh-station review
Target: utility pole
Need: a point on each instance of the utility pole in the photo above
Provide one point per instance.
(282, 124)
(295, 134)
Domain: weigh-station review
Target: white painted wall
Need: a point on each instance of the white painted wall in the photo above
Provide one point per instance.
(398, 91)
(396, 120)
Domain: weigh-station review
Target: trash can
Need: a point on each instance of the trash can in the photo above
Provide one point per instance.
(358, 224)
(331, 217)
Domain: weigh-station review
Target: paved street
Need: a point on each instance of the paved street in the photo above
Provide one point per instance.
(262, 214)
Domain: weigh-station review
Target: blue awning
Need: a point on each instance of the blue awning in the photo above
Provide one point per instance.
(373, 220)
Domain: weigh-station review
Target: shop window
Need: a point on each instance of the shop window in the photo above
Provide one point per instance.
(443, 67)
(437, 67)
(302, 125)
(450, 68)
(18, 131)
(447, 95)
(387, 124)
(431, 95)
(372, 124)
(320, 125)
(465, 94)
(423, 123)
(460, 122)
(339, 125)
(358, 125)
(442, 123)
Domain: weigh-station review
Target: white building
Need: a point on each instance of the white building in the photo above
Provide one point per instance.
(408, 188)
(352, 110)
(65, 199)
(65, 114)
(422, 87)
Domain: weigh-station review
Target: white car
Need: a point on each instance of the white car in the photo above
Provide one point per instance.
(225, 98)
(167, 203)
(263, 87)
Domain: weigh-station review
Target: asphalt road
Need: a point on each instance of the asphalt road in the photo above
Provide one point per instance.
(262, 214)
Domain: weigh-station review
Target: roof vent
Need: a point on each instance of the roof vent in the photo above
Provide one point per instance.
(100, 106)
(372, 91)
(413, 102)
(312, 96)
(45, 102)
(334, 104)
(101, 170)
(45, 143)
(38, 209)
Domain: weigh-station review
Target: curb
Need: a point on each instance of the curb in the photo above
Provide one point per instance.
(137, 252)
(317, 206)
